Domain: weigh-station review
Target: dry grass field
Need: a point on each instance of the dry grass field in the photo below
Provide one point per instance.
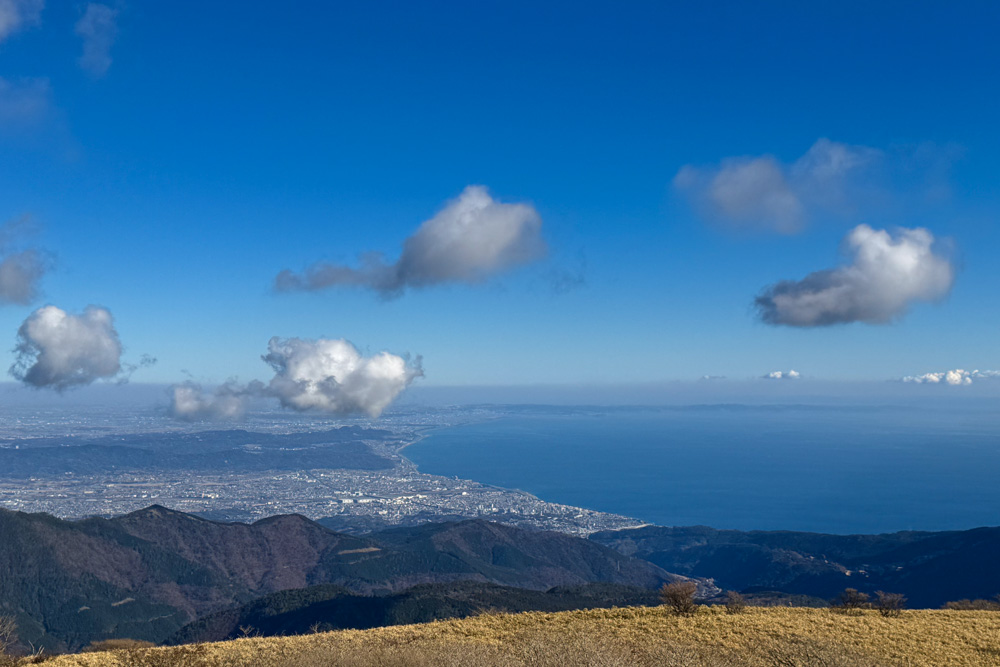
(616, 637)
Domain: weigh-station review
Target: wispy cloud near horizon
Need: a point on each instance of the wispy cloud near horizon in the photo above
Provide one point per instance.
(955, 377)
(782, 375)
(190, 402)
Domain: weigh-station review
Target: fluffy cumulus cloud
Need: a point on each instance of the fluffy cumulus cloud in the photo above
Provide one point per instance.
(18, 14)
(955, 378)
(782, 375)
(887, 272)
(332, 376)
(760, 192)
(322, 375)
(98, 29)
(471, 239)
(58, 350)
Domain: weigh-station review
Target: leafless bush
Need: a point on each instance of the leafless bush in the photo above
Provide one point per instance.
(851, 602)
(679, 596)
(973, 605)
(735, 603)
(890, 605)
(8, 634)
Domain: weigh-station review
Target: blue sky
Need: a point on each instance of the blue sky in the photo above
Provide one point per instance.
(222, 145)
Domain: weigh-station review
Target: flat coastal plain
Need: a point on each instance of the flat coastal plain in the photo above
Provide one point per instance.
(628, 636)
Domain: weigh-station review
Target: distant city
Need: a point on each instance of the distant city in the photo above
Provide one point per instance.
(352, 478)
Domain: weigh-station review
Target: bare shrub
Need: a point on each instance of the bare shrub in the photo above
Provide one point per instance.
(890, 605)
(973, 605)
(851, 602)
(679, 596)
(8, 634)
(735, 603)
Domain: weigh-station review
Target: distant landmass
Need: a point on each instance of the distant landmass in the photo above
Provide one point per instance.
(929, 568)
(204, 451)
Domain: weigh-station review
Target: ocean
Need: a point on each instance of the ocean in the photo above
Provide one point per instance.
(804, 468)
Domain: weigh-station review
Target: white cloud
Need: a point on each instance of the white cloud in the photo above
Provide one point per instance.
(18, 14)
(471, 239)
(762, 193)
(332, 376)
(98, 30)
(887, 273)
(320, 375)
(58, 350)
(956, 377)
(188, 401)
(782, 375)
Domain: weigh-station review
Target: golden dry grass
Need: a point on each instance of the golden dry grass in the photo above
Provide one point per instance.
(625, 637)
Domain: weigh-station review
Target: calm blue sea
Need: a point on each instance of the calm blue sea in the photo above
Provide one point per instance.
(838, 470)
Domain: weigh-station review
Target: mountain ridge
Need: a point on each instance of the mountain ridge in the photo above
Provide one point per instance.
(930, 568)
(145, 574)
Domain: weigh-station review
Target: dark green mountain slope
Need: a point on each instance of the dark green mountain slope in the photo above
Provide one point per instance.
(929, 568)
(517, 557)
(332, 607)
(146, 574)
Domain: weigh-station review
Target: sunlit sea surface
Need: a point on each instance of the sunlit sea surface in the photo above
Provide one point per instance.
(838, 470)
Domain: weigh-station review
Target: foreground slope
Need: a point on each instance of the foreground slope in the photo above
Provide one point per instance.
(635, 636)
(304, 610)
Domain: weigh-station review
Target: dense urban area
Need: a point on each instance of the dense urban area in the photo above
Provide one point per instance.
(352, 477)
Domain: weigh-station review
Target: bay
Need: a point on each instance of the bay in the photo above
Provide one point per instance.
(804, 468)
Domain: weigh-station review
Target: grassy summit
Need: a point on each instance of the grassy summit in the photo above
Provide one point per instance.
(634, 636)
